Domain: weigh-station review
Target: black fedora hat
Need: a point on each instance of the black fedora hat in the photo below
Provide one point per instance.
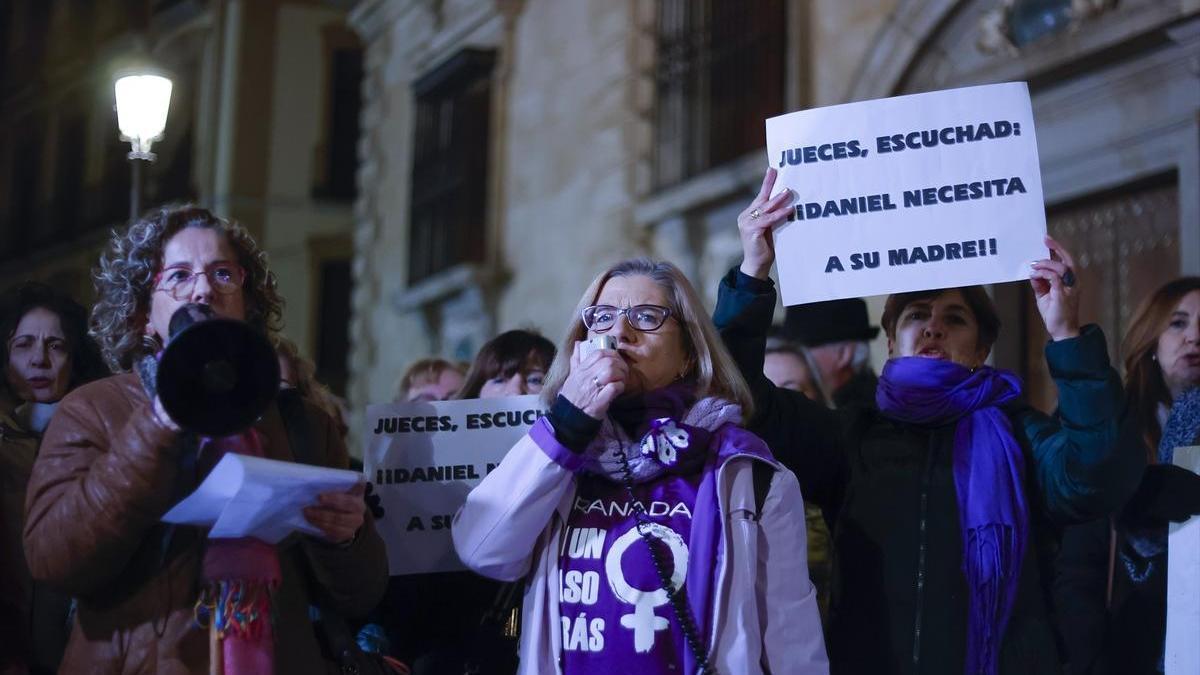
(819, 323)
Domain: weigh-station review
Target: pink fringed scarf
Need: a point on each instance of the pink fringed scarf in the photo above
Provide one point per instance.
(240, 578)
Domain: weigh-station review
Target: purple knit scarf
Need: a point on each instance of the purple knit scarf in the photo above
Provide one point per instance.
(989, 470)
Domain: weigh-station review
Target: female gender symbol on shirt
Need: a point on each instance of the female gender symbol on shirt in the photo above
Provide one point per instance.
(643, 621)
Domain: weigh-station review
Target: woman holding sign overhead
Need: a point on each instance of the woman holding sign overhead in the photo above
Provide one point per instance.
(154, 598)
(941, 494)
(654, 534)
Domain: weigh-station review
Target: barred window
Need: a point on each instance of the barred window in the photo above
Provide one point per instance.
(719, 73)
(450, 160)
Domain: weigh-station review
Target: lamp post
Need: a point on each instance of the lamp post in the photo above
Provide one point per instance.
(143, 99)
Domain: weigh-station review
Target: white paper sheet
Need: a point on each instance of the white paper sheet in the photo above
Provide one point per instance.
(255, 497)
(908, 193)
(1183, 585)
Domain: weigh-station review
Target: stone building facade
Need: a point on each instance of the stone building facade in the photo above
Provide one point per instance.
(580, 101)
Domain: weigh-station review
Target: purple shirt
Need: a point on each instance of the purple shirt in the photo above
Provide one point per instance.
(616, 617)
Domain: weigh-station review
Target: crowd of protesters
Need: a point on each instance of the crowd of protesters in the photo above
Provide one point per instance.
(817, 516)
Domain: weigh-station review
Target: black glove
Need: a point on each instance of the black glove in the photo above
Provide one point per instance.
(374, 503)
(1166, 493)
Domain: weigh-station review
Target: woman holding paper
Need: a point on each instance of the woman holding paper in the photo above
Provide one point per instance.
(1111, 583)
(47, 352)
(654, 534)
(113, 462)
(941, 494)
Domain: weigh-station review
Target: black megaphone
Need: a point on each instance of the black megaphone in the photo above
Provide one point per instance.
(216, 376)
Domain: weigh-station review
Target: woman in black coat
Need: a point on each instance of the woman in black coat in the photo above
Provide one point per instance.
(942, 494)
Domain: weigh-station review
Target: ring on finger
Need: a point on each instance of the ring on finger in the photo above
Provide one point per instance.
(596, 381)
(755, 213)
(1068, 278)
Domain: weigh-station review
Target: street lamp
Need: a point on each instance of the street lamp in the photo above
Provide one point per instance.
(143, 99)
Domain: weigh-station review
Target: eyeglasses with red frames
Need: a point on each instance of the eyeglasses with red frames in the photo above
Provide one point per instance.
(645, 318)
(178, 281)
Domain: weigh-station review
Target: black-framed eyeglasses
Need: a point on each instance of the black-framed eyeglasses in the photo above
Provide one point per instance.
(600, 318)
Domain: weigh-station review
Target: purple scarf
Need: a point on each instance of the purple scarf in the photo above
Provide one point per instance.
(989, 470)
(659, 425)
(636, 413)
(659, 415)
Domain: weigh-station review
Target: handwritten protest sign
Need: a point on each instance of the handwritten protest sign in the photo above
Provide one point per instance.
(1182, 653)
(424, 457)
(908, 193)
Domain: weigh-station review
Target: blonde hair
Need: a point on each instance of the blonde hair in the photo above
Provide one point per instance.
(709, 364)
(426, 370)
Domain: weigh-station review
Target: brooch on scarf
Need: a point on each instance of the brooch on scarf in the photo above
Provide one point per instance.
(664, 440)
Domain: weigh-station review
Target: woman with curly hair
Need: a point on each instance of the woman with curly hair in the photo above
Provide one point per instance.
(47, 352)
(151, 597)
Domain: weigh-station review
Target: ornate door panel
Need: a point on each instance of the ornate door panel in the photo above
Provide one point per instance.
(1126, 244)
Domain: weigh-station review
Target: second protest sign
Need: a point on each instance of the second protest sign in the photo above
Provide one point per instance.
(424, 457)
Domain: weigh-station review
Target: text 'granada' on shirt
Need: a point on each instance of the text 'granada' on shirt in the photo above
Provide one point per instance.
(616, 615)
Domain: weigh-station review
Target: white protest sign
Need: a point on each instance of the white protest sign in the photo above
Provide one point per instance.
(908, 193)
(424, 457)
(1182, 653)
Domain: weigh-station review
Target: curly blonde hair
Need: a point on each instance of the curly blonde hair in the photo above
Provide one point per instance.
(124, 280)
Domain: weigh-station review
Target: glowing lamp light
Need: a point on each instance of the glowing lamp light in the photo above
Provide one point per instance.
(142, 103)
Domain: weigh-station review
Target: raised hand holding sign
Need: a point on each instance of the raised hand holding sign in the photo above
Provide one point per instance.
(907, 193)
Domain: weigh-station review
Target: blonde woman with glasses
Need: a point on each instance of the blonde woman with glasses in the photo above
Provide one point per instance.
(654, 534)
